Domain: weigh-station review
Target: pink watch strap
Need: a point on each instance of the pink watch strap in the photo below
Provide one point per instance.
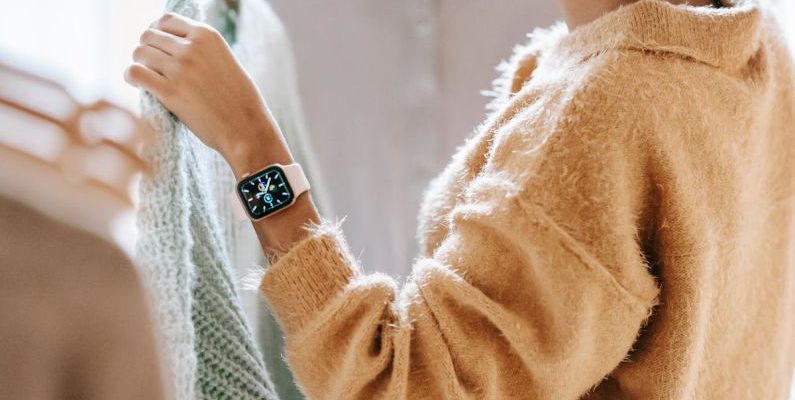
(297, 179)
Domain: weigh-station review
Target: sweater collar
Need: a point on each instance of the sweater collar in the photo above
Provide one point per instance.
(721, 37)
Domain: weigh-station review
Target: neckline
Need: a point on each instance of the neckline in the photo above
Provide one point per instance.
(724, 37)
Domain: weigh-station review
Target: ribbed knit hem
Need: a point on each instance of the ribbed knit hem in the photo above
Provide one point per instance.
(304, 279)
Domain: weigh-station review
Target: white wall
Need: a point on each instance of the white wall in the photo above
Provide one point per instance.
(390, 88)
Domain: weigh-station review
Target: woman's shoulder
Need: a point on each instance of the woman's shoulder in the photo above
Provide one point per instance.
(586, 116)
(616, 92)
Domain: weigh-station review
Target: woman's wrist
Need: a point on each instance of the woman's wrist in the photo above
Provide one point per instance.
(256, 149)
(279, 232)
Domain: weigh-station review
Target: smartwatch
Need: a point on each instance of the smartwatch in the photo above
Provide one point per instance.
(271, 190)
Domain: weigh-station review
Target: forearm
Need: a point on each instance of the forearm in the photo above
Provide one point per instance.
(278, 232)
(531, 318)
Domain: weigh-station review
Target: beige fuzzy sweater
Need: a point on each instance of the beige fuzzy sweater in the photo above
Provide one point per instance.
(623, 226)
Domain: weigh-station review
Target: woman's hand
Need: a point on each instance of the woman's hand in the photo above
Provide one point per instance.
(189, 67)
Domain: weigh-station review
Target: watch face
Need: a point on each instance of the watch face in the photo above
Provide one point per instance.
(265, 192)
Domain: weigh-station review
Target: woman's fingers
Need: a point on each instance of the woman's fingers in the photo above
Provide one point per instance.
(164, 41)
(175, 24)
(184, 27)
(141, 76)
(153, 58)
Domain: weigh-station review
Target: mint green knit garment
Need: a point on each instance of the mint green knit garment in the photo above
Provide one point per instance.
(209, 350)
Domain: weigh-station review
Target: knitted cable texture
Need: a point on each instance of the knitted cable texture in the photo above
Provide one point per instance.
(209, 349)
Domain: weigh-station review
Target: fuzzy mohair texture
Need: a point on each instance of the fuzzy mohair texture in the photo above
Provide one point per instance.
(622, 226)
(209, 350)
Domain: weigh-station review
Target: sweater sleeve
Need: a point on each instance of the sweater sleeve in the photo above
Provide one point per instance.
(526, 297)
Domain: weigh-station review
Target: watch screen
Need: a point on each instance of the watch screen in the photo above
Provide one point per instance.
(265, 192)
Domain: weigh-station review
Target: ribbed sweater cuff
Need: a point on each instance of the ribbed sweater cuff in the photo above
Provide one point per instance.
(304, 279)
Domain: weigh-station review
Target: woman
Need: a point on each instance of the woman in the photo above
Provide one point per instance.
(621, 226)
